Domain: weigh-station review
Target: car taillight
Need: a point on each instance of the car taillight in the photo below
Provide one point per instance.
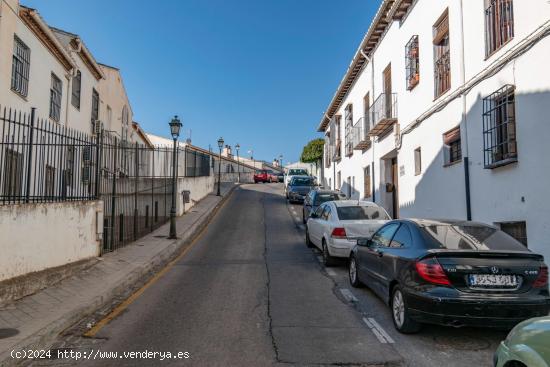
(431, 271)
(338, 233)
(542, 279)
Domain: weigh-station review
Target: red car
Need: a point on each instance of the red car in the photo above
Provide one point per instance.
(265, 176)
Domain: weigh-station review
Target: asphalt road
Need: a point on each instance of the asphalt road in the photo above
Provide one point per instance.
(250, 293)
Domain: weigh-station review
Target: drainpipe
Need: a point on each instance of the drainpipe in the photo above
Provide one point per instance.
(464, 122)
(370, 60)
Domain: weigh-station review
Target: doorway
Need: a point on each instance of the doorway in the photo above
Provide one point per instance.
(394, 188)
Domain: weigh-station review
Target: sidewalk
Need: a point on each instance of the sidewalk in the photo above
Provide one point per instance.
(35, 321)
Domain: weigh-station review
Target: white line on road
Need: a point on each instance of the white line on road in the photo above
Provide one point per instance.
(378, 331)
(331, 272)
(348, 295)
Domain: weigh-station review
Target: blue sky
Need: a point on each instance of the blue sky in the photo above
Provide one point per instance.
(257, 72)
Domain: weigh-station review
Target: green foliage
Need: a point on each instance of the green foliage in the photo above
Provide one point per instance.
(313, 151)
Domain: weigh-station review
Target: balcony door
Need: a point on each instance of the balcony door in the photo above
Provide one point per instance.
(387, 90)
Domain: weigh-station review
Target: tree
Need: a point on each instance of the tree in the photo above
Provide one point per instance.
(313, 152)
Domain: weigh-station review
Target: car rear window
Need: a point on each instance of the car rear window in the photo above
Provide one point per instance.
(296, 172)
(323, 198)
(465, 237)
(302, 181)
(360, 212)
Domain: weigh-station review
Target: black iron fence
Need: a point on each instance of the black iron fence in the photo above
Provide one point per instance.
(42, 162)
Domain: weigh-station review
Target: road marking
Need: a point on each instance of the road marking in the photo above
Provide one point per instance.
(378, 331)
(348, 295)
(331, 272)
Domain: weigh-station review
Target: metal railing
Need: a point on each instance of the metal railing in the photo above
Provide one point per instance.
(383, 112)
(361, 130)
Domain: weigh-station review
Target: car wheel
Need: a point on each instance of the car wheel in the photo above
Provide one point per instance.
(353, 277)
(309, 244)
(328, 260)
(400, 313)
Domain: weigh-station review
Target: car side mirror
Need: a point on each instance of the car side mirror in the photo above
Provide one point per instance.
(364, 242)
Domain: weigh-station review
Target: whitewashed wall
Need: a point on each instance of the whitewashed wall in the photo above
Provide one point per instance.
(199, 187)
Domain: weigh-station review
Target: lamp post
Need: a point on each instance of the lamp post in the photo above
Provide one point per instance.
(220, 145)
(237, 147)
(175, 126)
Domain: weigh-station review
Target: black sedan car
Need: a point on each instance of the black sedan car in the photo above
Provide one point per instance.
(317, 197)
(451, 273)
(299, 187)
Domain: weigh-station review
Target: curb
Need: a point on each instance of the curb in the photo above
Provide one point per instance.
(45, 337)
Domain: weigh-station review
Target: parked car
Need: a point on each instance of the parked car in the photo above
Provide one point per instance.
(316, 198)
(336, 225)
(299, 187)
(280, 177)
(261, 176)
(272, 176)
(451, 273)
(527, 345)
(294, 172)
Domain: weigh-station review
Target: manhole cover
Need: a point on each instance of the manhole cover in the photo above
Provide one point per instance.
(8, 333)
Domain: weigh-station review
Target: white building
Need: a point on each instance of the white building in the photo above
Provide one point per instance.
(443, 113)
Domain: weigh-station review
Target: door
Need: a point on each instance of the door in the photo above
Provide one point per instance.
(314, 226)
(388, 91)
(370, 259)
(395, 188)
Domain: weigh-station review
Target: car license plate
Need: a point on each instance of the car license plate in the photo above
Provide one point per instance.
(493, 281)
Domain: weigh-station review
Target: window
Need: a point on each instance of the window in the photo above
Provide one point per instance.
(125, 118)
(402, 237)
(21, 62)
(55, 98)
(75, 94)
(338, 137)
(367, 182)
(499, 24)
(49, 181)
(13, 170)
(452, 148)
(518, 230)
(338, 180)
(412, 62)
(348, 117)
(417, 161)
(442, 58)
(327, 147)
(95, 110)
(384, 235)
(499, 128)
(326, 213)
(361, 213)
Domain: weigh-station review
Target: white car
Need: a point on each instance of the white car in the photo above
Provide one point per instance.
(294, 172)
(336, 225)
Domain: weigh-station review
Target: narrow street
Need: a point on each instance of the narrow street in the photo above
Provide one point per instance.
(249, 293)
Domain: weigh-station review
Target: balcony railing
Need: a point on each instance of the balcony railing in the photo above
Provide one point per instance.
(360, 134)
(383, 113)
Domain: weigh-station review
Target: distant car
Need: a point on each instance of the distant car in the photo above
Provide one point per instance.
(451, 273)
(336, 225)
(316, 198)
(261, 176)
(299, 187)
(280, 177)
(295, 172)
(527, 345)
(272, 176)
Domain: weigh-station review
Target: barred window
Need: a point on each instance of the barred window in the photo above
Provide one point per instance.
(452, 146)
(518, 230)
(13, 172)
(412, 62)
(75, 94)
(417, 161)
(499, 128)
(21, 62)
(499, 24)
(49, 181)
(349, 124)
(55, 98)
(442, 58)
(367, 182)
(95, 109)
(337, 131)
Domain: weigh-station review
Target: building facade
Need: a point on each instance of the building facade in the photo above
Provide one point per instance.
(442, 113)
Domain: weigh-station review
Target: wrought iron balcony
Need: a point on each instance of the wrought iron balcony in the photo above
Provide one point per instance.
(383, 113)
(360, 134)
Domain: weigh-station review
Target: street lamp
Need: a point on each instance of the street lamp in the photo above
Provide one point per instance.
(175, 126)
(220, 145)
(237, 147)
(281, 161)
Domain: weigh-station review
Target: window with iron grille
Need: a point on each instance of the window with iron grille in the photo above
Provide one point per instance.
(367, 182)
(338, 137)
(49, 181)
(349, 126)
(518, 230)
(75, 93)
(452, 146)
(21, 62)
(327, 148)
(499, 24)
(417, 161)
(55, 98)
(412, 62)
(499, 128)
(13, 171)
(442, 58)
(68, 172)
(95, 109)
